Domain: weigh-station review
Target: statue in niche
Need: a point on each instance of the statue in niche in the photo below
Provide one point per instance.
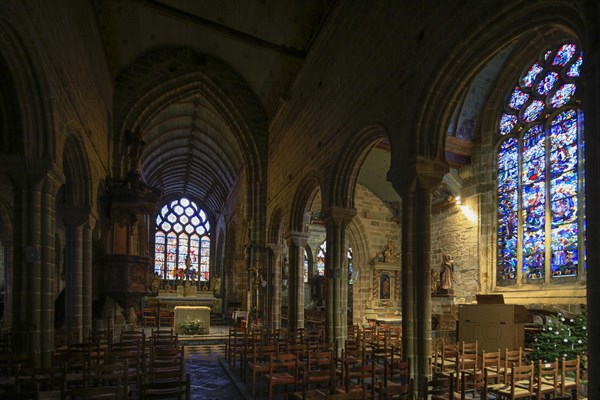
(447, 272)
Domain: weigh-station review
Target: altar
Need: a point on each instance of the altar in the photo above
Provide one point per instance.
(191, 313)
(171, 300)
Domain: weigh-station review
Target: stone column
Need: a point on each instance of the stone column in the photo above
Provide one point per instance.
(32, 299)
(48, 273)
(273, 308)
(8, 285)
(296, 243)
(79, 244)
(414, 181)
(87, 285)
(591, 79)
(336, 273)
(74, 282)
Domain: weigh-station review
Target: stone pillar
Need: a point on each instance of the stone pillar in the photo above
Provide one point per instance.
(296, 243)
(591, 79)
(8, 285)
(414, 181)
(74, 282)
(33, 258)
(336, 273)
(273, 309)
(87, 286)
(48, 272)
(79, 252)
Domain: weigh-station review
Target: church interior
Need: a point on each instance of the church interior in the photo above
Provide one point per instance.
(386, 182)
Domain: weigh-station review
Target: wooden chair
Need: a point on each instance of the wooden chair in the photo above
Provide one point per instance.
(134, 361)
(445, 360)
(165, 318)
(148, 316)
(259, 362)
(319, 370)
(403, 391)
(440, 386)
(510, 357)
(176, 389)
(569, 377)
(546, 381)
(520, 384)
(473, 384)
(49, 380)
(107, 378)
(283, 371)
(491, 361)
(165, 369)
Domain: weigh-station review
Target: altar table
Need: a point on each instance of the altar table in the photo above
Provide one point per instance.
(187, 313)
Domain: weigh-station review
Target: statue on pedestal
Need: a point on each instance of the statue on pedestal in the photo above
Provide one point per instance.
(447, 272)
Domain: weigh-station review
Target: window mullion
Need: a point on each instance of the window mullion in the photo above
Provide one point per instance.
(548, 209)
(521, 223)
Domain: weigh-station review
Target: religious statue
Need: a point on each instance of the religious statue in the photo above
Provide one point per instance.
(435, 280)
(188, 265)
(384, 293)
(389, 253)
(215, 284)
(447, 272)
(155, 284)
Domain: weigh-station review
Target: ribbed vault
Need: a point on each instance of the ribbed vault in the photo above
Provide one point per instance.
(191, 150)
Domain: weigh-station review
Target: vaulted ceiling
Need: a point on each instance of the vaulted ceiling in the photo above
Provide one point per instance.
(189, 148)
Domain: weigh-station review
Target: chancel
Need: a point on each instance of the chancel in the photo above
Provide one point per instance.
(299, 198)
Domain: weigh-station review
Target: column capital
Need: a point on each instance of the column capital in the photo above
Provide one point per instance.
(420, 173)
(277, 249)
(338, 215)
(24, 173)
(297, 238)
(77, 215)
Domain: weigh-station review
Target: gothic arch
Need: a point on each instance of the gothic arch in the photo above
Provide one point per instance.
(359, 241)
(174, 74)
(475, 49)
(276, 227)
(27, 129)
(77, 190)
(347, 169)
(306, 190)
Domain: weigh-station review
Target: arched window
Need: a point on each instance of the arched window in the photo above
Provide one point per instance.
(540, 181)
(305, 266)
(321, 259)
(182, 231)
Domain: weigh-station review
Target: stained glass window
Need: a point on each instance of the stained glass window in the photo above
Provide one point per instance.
(305, 266)
(182, 233)
(540, 218)
(321, 259)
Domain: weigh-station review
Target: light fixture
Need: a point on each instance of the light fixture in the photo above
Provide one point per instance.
(458, 200)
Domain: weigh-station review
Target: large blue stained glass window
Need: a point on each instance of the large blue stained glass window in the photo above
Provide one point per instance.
(186, 229)
(541, 221)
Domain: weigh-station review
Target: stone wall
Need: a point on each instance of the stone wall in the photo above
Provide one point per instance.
(375, 221)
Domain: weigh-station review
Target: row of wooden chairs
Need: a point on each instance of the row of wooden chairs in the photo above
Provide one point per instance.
(520, 380)
(79, 367)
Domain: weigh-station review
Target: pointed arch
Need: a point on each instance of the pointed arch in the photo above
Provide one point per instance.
(77, 190)
(347, 169)
(25, 101)
(473, 50)
(306, 190)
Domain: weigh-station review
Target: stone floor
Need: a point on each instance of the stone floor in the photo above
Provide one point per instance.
(208, 377)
